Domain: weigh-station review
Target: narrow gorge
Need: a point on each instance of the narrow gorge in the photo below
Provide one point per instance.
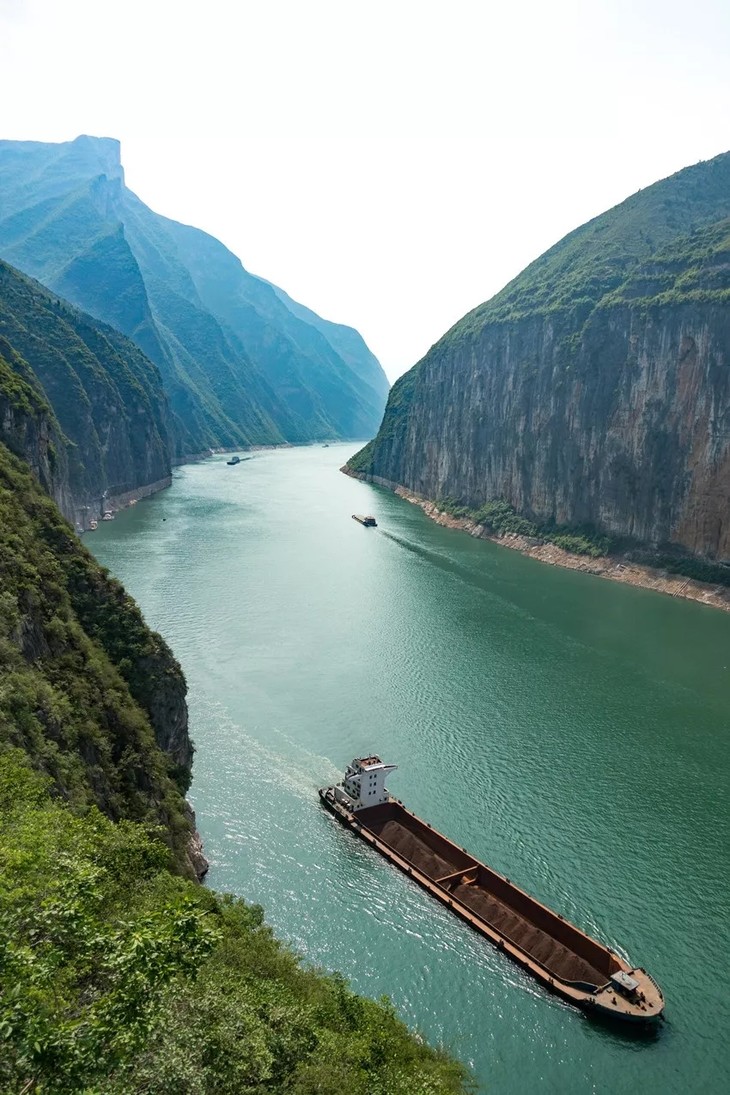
(241, 362)
(119, 971)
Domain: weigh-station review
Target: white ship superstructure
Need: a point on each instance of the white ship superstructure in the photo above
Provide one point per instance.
(559, 955)
(364, 783)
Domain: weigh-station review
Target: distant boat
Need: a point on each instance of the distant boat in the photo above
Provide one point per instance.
(368, 520)
(108, 516)
(92, 525)
(234, 460)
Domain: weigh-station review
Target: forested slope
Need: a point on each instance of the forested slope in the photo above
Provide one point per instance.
(240, 365)
(121, 978)
(119, 973)
(106, 396)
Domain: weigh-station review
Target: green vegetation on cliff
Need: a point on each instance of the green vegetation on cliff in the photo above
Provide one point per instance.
(597, 258)
(106, 395)
(693, 269)
(121, 978)
(18, 386)
(120, 974)
(501, 518)
(81, 676)
(592, 392)
(242, 364)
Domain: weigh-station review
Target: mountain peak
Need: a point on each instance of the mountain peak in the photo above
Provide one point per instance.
(243, 366)
(102, 154)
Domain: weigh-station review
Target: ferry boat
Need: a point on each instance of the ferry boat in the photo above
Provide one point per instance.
(369, 521)
(556, 953)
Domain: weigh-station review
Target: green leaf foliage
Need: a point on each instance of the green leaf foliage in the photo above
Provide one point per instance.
(85, 686)
(500, 518)
(118, 977)
(106, 395)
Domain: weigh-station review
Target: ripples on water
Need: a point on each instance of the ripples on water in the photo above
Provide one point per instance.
(569, 731)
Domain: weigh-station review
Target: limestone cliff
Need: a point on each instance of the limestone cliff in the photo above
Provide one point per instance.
(29, 428)
(594, 390)
(92, 696)
(108, 408)
(241, 362)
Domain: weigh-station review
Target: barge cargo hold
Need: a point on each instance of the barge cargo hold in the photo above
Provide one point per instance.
(563, 958)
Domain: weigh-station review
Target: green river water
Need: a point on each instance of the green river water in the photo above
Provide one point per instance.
(571, 732)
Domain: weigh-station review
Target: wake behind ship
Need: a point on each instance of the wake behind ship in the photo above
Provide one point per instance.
(555, 952)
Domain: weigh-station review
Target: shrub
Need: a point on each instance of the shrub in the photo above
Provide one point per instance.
(120, 977)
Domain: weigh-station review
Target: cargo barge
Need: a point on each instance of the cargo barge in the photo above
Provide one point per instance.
(367, 520)
(560, 956)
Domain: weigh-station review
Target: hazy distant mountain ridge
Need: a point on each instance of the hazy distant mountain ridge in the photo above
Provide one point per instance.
(239, 366)
(291, 350)
(593, 391)
(348, 343)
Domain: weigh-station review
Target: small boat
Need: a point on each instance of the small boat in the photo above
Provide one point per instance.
(368, 521)
(234, 460)
(108, 516)
(93, 525)
(556, 953)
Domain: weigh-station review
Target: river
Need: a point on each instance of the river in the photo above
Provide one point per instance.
(571, 732)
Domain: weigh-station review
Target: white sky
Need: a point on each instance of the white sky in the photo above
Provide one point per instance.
(390, 164)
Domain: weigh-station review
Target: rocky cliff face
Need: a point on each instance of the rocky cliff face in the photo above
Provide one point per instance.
(29, 428)
(110, 414)
(87, 691)
(595, 389)
(94, 697)
(242, 364)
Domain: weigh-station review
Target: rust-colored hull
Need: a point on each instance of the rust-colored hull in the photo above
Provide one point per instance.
(555, 952)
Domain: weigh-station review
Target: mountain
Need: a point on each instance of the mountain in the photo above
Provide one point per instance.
(90, 695)
(352, 349)
(241, 363)
(593, 391)
(29, 428)
(105, 408)
(119, 972)
(325, 371)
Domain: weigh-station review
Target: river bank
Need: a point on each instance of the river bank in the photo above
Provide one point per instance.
(571, 734)
(115, 503)
(615, 568)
